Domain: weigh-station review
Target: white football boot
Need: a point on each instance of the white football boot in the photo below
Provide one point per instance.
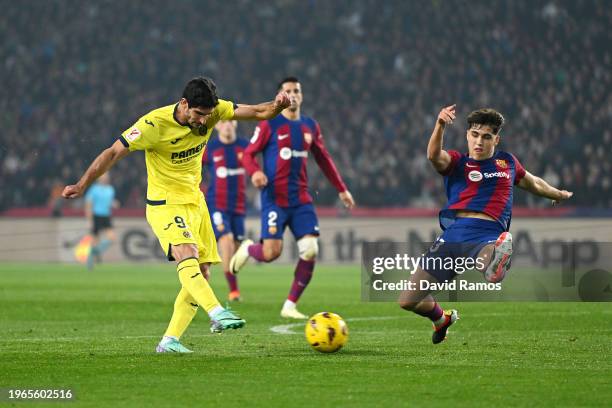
(241, 257)
(291, 312)
(502, 256)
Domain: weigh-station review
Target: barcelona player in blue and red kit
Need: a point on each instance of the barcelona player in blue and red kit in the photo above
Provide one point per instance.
(286, 142)
(476, 220)
(226, 194)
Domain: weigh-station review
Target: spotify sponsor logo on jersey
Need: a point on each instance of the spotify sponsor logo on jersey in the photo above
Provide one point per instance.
(503, 174)
(286, 153)
(223, 172)
(475, 175)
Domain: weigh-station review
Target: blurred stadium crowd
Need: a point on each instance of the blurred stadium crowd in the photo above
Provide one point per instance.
(374, 74)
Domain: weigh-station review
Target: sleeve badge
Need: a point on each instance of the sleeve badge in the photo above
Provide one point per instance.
(133, 135)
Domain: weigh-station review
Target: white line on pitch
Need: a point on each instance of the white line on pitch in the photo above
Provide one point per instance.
(287, 328)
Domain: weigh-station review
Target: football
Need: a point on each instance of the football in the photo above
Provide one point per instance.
(326, 332)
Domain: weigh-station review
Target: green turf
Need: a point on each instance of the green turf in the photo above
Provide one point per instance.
(96, 332)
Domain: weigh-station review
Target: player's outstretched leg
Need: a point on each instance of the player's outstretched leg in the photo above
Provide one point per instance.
(99, 246)
(441, 319)
(192, 277)
(91, 257)
(267, 251)
(225, 319)
(308, 249)
(422, 303)
(442, 324)
(302, 275)
(240, 258)
(232, 281)
(171, 345)
(227, 248)
(501, 260)
(185, 308)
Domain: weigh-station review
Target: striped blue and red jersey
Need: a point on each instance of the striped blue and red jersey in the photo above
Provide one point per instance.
(285, 145)
(227, 181)
(481, 185)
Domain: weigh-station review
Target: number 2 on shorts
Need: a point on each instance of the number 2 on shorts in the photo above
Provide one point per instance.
(272, 216)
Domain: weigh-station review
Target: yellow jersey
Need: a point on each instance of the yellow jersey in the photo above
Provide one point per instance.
(173, 152)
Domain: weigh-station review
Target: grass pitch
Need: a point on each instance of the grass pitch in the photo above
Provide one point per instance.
(95, 332)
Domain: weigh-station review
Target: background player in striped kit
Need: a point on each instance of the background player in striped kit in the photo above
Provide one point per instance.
(286, 142)
(225, 194)
(476, 220)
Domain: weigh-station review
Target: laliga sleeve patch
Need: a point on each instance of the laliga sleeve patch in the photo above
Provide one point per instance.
(134, 134)
(308, 138)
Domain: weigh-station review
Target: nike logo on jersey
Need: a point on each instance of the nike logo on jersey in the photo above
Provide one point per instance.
(281, 137)
(168, 226)
(470, 165)
(217, 158)
(176, 140)
(148, 122)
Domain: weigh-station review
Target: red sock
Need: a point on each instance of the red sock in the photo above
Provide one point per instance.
(231, 281)
(303, 274)
(434, 314)
(256, 252)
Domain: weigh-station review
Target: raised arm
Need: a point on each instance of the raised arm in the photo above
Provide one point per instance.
(99, 166)
(327, 166)
(258, 142)
(540, 187)
(263, 111)
(439, 157)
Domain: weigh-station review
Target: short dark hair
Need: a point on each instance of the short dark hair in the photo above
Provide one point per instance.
(201, 92)
(287, 79)
(486, 116)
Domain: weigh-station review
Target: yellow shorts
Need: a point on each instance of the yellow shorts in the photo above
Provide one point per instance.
(175, 224)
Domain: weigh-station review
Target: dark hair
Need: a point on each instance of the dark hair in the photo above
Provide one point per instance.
(287, 79)
(201, 92)
(486, 116)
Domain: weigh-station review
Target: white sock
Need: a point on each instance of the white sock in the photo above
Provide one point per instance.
(167, 339)
(215, 311)
(289, 304)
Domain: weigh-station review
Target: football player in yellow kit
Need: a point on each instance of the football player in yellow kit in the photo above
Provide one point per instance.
(174, 138)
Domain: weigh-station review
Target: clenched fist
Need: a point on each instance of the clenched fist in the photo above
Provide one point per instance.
(282, 101)
(259, 179)
(72, 191)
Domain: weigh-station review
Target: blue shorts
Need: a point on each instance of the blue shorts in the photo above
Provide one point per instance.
(226, 222)
(462, 239)
(301, 219)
